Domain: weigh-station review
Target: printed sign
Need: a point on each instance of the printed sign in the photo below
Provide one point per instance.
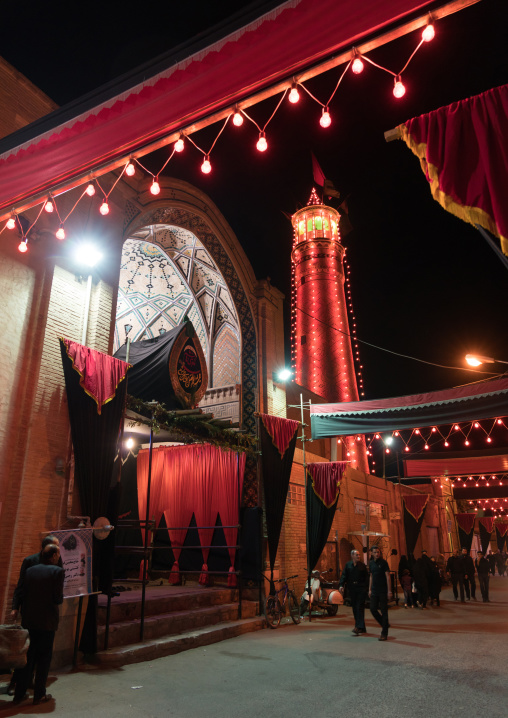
(189, 369)
(76, 553)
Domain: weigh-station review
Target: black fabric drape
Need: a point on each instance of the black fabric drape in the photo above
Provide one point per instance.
(412, 529)
(94, 438)
(319, 523)
(276, 473)
(485, 536)
(501, 540)
(465, 540)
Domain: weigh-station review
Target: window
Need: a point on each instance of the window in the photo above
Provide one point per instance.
(296, 495)
(374, 509)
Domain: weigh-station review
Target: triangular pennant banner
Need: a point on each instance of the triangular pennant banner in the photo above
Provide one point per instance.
(325, 477)
(415, 504)
(466, 522)
(280, 430)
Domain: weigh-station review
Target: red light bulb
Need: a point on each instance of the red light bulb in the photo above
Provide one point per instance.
(155, 187)
(49, 206)
(11, 223)
(398, 88)
(428, 33)
(179, 145)
(104, 208)
(325, 120)
(130, 170)
(294, 95)
(22, 246)
(238, 119)
(206, 167)
(60, 232)
(90, 190)
(357, 66)
(262, 144)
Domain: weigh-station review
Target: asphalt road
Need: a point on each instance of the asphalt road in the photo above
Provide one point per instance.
(439, 663)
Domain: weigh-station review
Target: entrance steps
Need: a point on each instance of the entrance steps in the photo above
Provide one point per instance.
(176, 618)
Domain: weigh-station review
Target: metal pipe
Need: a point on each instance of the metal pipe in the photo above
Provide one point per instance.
(147, 519)
(87, 309)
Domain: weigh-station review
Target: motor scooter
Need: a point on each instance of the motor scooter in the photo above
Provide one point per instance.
(324, 594)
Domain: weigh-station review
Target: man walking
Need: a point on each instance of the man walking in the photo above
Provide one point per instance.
(483, 569)
(454, 567)
(356, 578)
(379, 590)
(41, 595)
(468, 571)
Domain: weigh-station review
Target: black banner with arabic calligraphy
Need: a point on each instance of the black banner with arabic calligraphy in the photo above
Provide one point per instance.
(170, 368)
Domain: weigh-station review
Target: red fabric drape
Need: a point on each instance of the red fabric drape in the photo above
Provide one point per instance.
(415, 504)
(200, 479)
(156, 484)
(466, 522)
(463, 150)
(281, 430)
(326, 477)
(502, 527)
(176, 504)
(488, 522)
(100, 373)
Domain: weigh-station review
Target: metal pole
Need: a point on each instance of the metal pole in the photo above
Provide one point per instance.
(87, 309)
(309, 589)
(147, 519)
(76, 638)
(239, 533)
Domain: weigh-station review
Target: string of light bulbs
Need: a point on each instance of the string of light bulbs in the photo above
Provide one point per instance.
(356, 64)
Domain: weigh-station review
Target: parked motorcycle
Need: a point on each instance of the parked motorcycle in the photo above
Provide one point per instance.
(324, 594)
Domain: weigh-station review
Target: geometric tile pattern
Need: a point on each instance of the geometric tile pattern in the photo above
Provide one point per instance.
(226, 357)
(232, 305)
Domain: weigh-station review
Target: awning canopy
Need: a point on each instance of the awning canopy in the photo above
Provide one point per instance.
(184, 87)
(484, 400)
(442, 465)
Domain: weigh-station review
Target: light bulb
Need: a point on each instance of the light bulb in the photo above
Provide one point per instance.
(262, 144)
(90, 190)
(294, 95)
(398, 88)
(428, 33)
(238, 119)
(22, 246)
(206, 167)
(104, 208)
(155, 187)
(11, 223)
(325, 120)
(130, 169)
(357, 66)
(179, 145)
(49, 206)
(60, 233)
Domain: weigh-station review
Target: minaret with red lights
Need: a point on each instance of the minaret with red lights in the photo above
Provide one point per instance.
(322, 354)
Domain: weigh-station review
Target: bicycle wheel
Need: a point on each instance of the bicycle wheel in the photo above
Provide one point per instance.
(294, 608)
(332, 610)
(272, 611)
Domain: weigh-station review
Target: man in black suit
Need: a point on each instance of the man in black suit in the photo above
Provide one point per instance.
(42, 593)
(28, 562)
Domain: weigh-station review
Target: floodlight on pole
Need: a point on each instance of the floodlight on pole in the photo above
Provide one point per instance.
(87, 254)
(283, 375)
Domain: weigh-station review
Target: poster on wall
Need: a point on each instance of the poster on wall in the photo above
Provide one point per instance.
(76, 553)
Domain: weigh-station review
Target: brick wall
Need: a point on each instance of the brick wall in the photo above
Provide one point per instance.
(21, 101)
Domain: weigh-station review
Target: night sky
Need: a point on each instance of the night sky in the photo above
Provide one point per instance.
(424, 283)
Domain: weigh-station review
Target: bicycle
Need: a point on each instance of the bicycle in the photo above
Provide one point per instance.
(275, 604)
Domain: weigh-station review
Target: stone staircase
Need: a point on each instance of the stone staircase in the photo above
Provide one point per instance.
(176, 618)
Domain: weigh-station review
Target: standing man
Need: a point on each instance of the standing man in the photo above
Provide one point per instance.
(455, 569)
(42, 594)
(483, 568)
(468, 571)
(379, 590)
(28, 562)
(355, 576)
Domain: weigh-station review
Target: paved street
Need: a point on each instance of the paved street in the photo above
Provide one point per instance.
(442, 662)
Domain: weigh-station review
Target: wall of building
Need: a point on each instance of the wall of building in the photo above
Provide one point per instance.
(21, 101)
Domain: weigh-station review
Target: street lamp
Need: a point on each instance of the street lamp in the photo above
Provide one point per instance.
(477, 359)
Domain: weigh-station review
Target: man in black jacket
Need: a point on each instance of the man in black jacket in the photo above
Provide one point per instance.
(483, 569)
(379, 590)
(28, 562)
(355, 576)
(41, 596)
(455, 568)
(468, 571)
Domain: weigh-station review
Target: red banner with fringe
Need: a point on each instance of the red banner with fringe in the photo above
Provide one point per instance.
(502, 528)
(463, 153)
(465, 522)
(280, 430)
(100, 373)
(487, 522)
(325, 477)
(415, 504)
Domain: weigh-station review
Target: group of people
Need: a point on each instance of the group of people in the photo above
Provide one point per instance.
(38, 594)
(462, 570)
(421, 581)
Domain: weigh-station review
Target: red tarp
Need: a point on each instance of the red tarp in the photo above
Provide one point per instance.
(456, 466)
(295, 35)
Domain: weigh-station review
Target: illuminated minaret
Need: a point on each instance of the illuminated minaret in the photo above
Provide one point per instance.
(322, 354)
